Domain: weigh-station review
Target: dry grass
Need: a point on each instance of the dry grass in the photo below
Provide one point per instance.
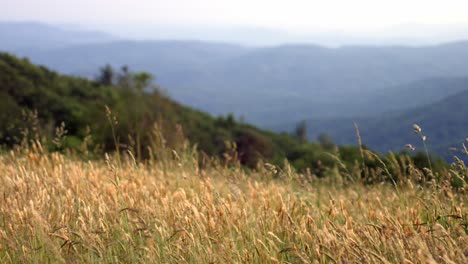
(59, 209)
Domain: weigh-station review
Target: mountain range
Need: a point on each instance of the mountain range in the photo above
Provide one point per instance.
(17, 36)
(274, 87)
(444, 124)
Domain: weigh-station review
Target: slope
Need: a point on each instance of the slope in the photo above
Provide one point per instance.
(135, 119)
(443, 122)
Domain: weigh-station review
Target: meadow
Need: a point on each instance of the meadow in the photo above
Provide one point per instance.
(102, 172)
(60, 208)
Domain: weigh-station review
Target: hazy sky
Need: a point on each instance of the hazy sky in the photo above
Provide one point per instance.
(293, 15)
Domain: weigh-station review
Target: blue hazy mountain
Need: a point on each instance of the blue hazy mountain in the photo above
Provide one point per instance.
(16, 36)
(265, 85)
(444, 122)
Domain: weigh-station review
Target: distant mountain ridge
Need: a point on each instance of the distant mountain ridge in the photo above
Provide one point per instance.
(443, 122)
(17, 36)
(273, 85)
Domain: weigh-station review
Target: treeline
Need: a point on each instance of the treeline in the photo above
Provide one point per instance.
(123, 110)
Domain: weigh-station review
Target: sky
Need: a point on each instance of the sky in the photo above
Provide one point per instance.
(428, 21)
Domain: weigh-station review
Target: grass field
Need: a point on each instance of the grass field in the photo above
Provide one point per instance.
(57, 208)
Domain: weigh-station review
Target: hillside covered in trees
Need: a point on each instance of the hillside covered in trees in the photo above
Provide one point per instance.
(123, 110)
(444, 123)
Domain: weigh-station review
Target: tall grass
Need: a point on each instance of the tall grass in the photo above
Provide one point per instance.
(175, 209)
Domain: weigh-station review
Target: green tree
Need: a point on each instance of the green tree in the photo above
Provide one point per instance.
(301, 131)
(124, 78)
(325, 141)
(142, 80)
(106, 76)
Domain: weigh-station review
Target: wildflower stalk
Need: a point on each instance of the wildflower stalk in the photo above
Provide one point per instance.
(417, 129)
(427, 152)
(112, 121)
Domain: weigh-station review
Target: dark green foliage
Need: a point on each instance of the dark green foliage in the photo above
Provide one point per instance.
(325, 141)
(107, 75)
(301, 131)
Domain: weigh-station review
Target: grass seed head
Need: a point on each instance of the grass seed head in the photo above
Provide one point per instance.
(417, 129)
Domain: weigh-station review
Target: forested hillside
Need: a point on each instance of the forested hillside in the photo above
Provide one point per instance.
(137, 112)
(443, 122)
